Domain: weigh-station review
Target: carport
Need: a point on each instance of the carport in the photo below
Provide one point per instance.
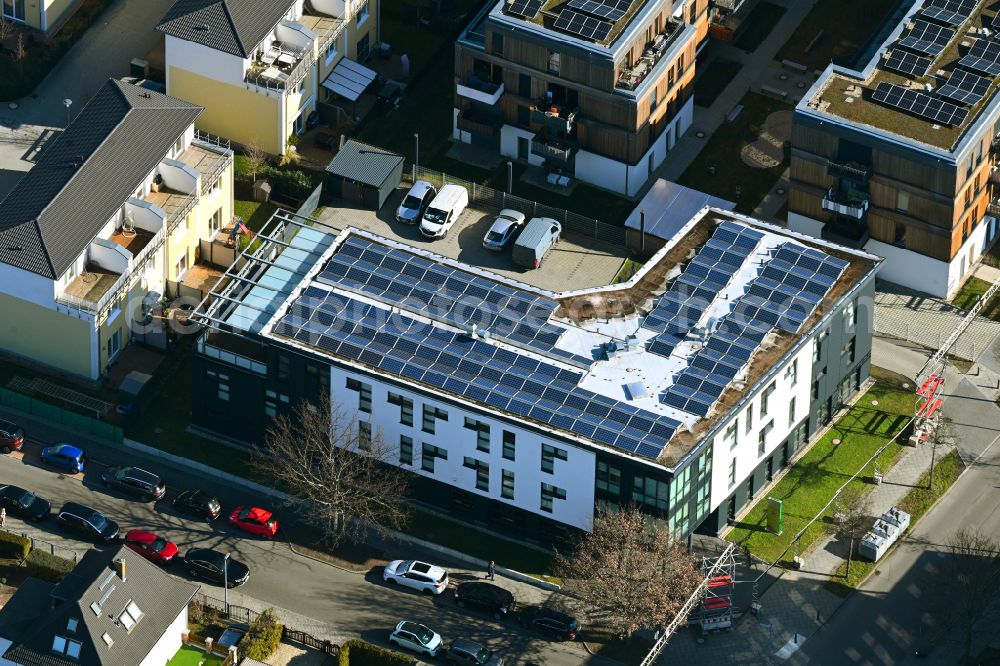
(363, 175)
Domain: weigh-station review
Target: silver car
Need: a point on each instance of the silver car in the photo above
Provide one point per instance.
(415, 202)
(416, 637)
(505, 227)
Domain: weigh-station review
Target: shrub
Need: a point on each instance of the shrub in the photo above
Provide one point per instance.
(294, 183)
(48, 566)
(264, 636)
(14, 546)
(359, 653)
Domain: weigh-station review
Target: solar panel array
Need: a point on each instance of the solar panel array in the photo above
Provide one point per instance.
(472, 368)
(984, 56)
(920, 104)
(995, 23)
(446, 294)
(927, 38)
(527, 9)
(612, 10)
(965, 87)
(952, 12)
(578, 23)
(907, 63)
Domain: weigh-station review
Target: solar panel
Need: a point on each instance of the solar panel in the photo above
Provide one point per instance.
(927, 38)
(965, 87)
(984, 56)
(953, 12)
(907, 63)
(525, 8)
(996, 22)
(580, 24)
(612, 10)
(919, 104)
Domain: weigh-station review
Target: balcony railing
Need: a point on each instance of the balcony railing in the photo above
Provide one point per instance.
(848, 170)
(475, 88)
(558, 118)
(852, 204)
(177, 215)
(561, 151)
(98, 306)
(278, 79)
(476, 122)
(630, 78)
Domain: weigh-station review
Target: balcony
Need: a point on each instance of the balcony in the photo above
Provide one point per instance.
(556, 118)
(850, 170)
(852, 203)
(846, 231)
(282, 66)
(480, 123)
(105, 272)
(631, 77)
(209, 156)
(553, 149)
(474, 88)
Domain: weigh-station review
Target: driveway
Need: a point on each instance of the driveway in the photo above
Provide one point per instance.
(123, 32)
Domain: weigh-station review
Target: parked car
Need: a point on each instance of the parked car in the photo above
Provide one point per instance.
(23, 504)
(503, 230)
(493, 599)
(198, 503)
(444, 211)
(254, 520)
(87, 521)
(538, 237)
(153, 548)
(134, 481)
(415, 202)
(416, 637)
(418, 575)
(211, 565)
(560, 626)
(64, 457)
(11, 436)
(465, 651)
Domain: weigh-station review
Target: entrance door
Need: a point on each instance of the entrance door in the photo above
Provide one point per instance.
(522, 148)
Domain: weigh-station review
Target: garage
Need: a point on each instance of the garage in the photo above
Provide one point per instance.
(362, 175)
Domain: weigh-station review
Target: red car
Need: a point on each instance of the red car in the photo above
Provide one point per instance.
(153, 548)
(11, 437)
(254, 520)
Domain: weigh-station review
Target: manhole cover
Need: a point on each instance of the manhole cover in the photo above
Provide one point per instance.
(700, 134)
(783, 76)
(12, 106)
(780, 190)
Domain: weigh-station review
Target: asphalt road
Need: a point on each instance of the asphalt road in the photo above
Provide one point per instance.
(353, 604)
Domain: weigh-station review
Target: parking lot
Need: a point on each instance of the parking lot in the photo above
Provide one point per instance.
(575, 262)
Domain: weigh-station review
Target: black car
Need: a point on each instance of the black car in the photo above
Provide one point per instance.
(493, 599)
(465, 651)
(23, 504)
(560, 626)
(212, 566)
(134, 481)
(198, 503)
(87, 521)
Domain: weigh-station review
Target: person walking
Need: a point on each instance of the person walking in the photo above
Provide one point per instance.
(3, 516)
(491, 571)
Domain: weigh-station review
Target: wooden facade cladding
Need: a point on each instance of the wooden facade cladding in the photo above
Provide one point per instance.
(531, 52)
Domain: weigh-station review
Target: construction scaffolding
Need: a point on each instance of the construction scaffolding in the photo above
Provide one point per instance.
(716, 611)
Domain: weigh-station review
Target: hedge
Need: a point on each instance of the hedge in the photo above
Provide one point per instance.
(356, 652)
(264, 636)
(47, 566)
(14, 546)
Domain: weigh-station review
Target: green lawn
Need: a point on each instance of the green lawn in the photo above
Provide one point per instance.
(714, 79)
(814, 479)
(970, 292)
(254, 213)
(722, 155)
(846, 26)
(762, 20)
(192, 656)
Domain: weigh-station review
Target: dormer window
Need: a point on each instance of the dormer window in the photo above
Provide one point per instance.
(64, 646)
(130, 616)
(72, 624)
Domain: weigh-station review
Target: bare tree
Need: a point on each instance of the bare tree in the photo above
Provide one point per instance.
(339, 473)
(20, 51)
(854, 519)
(630, 571)
(969, 583)
(256, 158)
(6, 29)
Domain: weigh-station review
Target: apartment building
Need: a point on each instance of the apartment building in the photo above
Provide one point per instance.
(258, 67)
(113, 209)
(899, 157)
(598, 90)
(526, 410)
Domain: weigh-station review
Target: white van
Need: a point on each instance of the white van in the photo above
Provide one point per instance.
(440, 216)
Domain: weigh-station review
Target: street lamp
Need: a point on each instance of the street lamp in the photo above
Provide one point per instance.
(416, 154)
(225, 582)
(510, 177)
(67, 103)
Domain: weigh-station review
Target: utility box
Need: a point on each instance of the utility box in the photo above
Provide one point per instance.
(262, 190)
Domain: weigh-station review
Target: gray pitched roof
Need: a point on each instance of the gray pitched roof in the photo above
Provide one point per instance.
(160, 597)
(31, 601)
(363, 163)
(233, 26)
(86, 174)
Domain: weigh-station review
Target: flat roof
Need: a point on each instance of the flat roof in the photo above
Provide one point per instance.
(668, 206)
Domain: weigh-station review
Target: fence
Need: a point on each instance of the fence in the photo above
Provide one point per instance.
(248, 615)
(217, 254)
(53, 414)
(49, 547)
(311, 203)
(572, 223)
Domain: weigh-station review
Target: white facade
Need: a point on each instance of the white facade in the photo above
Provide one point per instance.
(169, 643)
(208, 62)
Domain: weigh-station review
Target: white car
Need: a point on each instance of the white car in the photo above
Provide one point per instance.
(416, 637)
(418, 575)
(506, 225)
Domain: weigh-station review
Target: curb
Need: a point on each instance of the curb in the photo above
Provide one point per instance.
(292, 548)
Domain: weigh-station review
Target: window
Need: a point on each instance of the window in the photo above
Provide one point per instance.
(851, 315)
(761, 442)
(222, 392)
(816, 390)
(284, 370)
(482, 472)
(652, 102)
(507, 484)
(362, 48)
(130, 616)
(730, 436)
(405, 408)
(508, 445)
(550, 493)
(428, 454)
(71, 625)
(363, 14)
(849, 349)
(903, 201)
(364, 394)
(482, 433)
(732, 472)
(749, 420)
(818, 345)
(765, 398)
(365, 435)
(270, 404)
(549, 456)
(430, 414)
(114, 343)
(63, 645)
(680, 66)
(791, 412)
(496, 42)
(553, 62)
(792, 373)
(524, 85)
(649, 491)
(331, 52)
(670, 77)
(609, 478)
(405, 450)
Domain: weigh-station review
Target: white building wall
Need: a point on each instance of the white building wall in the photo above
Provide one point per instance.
(575, 475)
(169, 643)
(508, 143)
(27, 286)
(202, 60)
(746, 452)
